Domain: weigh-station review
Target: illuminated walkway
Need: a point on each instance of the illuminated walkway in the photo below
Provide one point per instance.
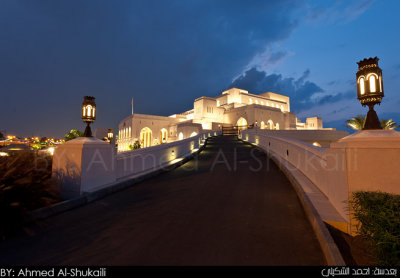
(231, 206)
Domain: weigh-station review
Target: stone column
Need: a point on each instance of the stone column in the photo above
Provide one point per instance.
(371, 162)
(83, 164)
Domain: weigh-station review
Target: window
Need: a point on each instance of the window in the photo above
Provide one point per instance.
(145, 137)
(89, 110)
(372, 83)
(362, 89)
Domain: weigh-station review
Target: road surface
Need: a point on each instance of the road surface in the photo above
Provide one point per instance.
(230, 206)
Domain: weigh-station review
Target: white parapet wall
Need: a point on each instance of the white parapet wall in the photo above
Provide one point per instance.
(137, 162)
(87, 164)
(366, 160)
(309, 159)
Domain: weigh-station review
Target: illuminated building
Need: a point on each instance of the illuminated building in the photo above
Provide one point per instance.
(234, 107)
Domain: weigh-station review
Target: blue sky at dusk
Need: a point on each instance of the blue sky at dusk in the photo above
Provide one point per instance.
(165, 54)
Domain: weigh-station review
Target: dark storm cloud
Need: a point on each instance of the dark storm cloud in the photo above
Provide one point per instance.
(336, 98)
(303, 94)
(163, 53)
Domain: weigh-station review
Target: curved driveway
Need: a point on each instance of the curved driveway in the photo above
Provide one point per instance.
(230, 206)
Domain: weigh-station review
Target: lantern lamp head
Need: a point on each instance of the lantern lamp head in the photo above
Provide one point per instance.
(110, 135)
(88, 114)
(88, 109)
(369, 82)
(370, 89)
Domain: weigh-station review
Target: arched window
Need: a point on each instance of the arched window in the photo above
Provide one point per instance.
(372, 84)
(89, 110)
(362, 86)
(145, 137)
(163, 135)
(180, 137)
(270, 124)
(241, 122)
(262, 125)
(277, 126)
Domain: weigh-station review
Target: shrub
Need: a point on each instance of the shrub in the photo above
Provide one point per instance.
(25, 185)
(135, 146)
(378, 214)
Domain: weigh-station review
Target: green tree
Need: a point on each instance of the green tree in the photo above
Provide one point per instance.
(388, 124)
(74, 133)
(1, 135)
(356, 123)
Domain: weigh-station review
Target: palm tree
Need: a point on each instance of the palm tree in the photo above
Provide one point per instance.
(74, 133)
(356, 123)
(388, 124)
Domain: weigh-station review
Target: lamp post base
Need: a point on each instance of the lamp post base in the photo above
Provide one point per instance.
(372, 121)
(88, 131)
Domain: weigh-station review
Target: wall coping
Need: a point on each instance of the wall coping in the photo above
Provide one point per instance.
(317, 151)
(379, 139)
(161, 146)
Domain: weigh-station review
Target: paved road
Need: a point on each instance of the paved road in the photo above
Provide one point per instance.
(231, 206)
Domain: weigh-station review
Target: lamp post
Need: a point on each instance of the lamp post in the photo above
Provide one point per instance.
(110, 135)
(88, 114)
(370, 89)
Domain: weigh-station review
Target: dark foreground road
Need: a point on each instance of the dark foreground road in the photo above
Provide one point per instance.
(219, 209)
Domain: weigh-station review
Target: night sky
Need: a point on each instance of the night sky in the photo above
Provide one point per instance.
(165, 54)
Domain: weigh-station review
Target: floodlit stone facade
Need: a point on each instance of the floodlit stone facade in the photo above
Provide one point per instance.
(234, 107)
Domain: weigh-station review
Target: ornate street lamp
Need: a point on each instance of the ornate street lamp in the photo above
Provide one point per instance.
(370, 89)
(88, 114)
(110, 135)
